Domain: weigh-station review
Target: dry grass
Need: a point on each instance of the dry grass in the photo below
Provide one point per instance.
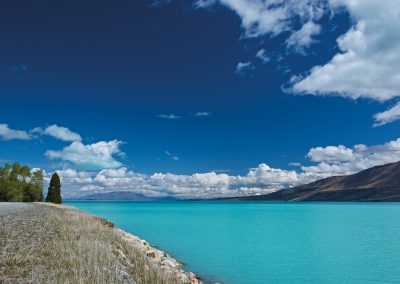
(61, 245)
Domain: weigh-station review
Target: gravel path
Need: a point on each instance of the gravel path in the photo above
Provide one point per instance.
(7, 206)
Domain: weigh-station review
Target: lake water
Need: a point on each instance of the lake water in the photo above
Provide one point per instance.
(240, 243)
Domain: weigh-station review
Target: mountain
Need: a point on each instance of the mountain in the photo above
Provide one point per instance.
(380, 183)
(121, 195)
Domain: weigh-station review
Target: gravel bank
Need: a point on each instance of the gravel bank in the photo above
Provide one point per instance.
(7, 206)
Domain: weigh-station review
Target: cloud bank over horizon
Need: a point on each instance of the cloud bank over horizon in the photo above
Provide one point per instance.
(330, 161)
(97, 168)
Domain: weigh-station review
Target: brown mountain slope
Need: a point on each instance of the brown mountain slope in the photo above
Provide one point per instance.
(380, 183)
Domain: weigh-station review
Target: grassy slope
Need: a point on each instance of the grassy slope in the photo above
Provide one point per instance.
(62, 245)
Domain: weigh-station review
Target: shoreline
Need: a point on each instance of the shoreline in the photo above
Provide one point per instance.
(161, 259)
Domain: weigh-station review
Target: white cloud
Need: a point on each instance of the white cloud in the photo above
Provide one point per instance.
(260, 18)
(62, 133)
(385, 117)
(58, 132)
(6, 133)
(260, 180)
(332, 154)
(173, 157)
(243, 67)
(168, 116)
(269, 17)
(367, 64)
(202, 113)
(303, 38)
(204, 3)
(340, 160)
(262, 55)
(100, 155)
(267, 176)
(199, 185)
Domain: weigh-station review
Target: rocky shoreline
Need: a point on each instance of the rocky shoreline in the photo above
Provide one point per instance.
(160, 259)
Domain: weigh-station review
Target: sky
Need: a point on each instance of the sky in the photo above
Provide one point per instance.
(198, 99)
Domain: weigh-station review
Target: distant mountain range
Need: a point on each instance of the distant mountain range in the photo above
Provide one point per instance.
(120, 195)
(380, 183)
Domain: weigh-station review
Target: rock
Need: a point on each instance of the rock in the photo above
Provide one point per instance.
(126, 278)
(169, 263)
(193, 277)
(184, 279)
(151, 254)
(160, 259)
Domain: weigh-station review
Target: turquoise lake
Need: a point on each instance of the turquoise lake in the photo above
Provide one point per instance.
(240, 243)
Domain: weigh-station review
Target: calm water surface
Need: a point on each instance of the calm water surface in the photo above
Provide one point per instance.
(269, 242)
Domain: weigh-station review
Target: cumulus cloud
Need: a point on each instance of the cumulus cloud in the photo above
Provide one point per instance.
(168, 116)
(199, 185)
(367, 64)
(260, 180)
(265, 175)
(340, 160)
(6, 133)
(331, 154)
(58, 132)
(100, 155)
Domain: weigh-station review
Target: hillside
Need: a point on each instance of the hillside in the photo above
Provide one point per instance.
(380, 183)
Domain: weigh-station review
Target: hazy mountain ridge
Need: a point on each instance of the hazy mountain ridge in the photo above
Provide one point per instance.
(120, 195)
(379, 183)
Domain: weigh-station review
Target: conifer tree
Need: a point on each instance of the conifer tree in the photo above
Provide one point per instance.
(54, 192)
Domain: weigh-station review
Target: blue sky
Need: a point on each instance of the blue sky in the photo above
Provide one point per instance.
(198, 98)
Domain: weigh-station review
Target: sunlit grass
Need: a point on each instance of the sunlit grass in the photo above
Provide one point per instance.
(62, 245)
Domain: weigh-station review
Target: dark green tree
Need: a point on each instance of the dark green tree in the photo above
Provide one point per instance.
(54, 192)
